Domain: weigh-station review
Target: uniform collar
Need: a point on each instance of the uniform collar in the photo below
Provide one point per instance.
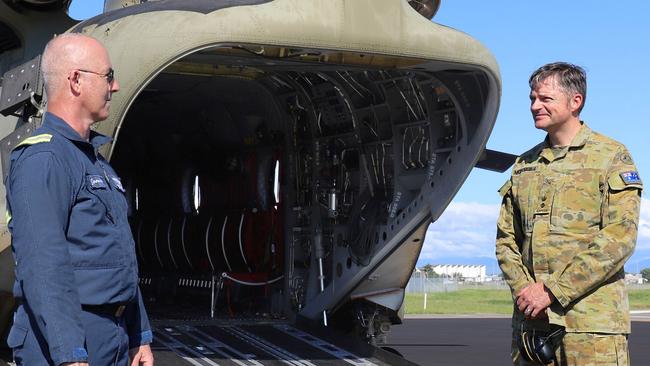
(57, 124)
(582, 137)
(578, 141)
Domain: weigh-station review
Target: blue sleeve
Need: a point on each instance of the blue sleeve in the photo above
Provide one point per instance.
(40, 198)
(137, 323)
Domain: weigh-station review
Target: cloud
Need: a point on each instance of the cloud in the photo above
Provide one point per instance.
(466, 232)
(643, 242)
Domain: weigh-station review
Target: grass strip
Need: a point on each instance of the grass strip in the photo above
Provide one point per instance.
(487, 301)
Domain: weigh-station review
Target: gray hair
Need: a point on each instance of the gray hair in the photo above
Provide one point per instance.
(57, 61)
(571, 78)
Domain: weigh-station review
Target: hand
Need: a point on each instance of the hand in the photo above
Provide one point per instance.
(141, 356)
(534, 299)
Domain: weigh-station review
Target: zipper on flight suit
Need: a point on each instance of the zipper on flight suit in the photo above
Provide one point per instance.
(108, 186)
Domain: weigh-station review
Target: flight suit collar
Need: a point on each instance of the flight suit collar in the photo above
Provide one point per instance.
(57, 124)
(579, 140)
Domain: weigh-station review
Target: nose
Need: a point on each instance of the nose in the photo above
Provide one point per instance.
(535, 105)
(115, 86)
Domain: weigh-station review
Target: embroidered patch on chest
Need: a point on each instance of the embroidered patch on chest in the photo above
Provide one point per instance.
(97, 182)
(526, 169)
(630, 177)
(117, 183)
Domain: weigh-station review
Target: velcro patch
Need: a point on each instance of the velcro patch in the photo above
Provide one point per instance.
(630, 177)
(97, 182)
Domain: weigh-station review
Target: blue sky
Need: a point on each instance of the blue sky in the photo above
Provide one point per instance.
(610, 42)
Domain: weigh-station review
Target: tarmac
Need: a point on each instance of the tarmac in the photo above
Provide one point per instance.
(427, 340)
(485, 339)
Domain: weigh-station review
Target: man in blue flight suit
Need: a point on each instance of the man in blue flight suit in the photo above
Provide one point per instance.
(76, 271)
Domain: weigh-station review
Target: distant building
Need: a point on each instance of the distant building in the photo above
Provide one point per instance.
(475, 273)
(634, 278)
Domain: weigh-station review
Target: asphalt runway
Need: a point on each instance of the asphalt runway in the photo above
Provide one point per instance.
(455, 341)
(464, 341)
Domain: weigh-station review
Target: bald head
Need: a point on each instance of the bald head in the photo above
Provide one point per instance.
(79, 80)
(65, 53)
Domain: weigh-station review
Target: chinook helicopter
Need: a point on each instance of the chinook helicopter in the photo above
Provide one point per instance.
(282, 159)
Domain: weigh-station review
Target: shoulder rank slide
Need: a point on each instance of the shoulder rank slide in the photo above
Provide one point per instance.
(37, 139)
(630, 177)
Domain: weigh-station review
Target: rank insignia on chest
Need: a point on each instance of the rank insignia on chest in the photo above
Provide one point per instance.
(630, 177)
(96, 181)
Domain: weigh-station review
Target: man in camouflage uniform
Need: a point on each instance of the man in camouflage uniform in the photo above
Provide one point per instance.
(568, 223)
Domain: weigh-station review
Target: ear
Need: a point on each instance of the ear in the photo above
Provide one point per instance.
(74, 82)
(576, 102)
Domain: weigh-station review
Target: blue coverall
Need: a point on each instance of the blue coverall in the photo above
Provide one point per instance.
(74, 251)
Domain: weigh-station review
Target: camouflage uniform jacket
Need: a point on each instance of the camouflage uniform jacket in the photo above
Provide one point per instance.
(569, 219)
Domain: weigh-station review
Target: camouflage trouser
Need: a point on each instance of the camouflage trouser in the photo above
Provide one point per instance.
(584, 349)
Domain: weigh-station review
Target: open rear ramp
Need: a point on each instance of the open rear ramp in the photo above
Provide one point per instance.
(251, 344)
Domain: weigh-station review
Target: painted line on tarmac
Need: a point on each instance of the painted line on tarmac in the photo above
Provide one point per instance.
(457, 316)
(640, 316)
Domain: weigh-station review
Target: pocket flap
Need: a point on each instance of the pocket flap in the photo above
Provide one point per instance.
(16, 337)
(505, 188)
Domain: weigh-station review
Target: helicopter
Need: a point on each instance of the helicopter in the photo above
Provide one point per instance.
(282, 159)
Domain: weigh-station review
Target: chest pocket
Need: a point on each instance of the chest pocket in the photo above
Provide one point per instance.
(525, 188)
(577, 202)
(98, 187)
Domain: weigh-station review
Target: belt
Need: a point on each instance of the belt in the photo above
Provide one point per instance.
(116, 310)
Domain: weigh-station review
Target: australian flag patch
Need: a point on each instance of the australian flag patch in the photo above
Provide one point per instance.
(631, 177)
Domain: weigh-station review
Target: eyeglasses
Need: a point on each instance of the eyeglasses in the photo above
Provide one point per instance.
(110, 75)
